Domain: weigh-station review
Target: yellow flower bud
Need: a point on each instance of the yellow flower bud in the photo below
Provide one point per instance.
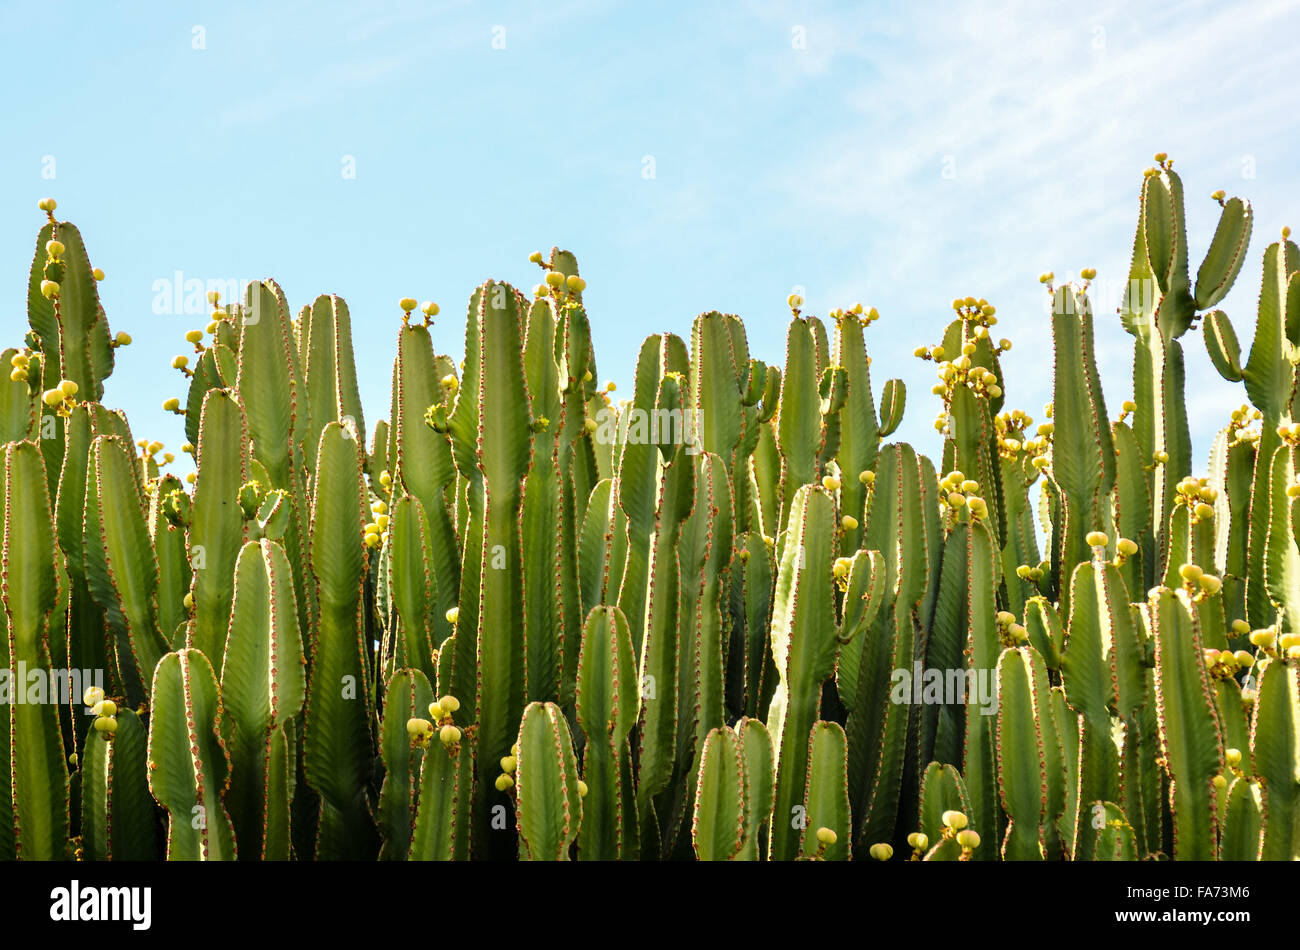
(576, 283)
(52, 397)
(449, 704)
(1190, 573)
(49, 289)
(180, 362)
(830, 483)
(407, 303)
(582, 789)
(1241, 628)
(968, 839)
(47, 204)
(54, 248)
(429, 308)
(1232, 757)
(794, 301)
(849, 523)
(826, 836)
(171, 405)
(867, 477)
(93, 696)
(509, 763)
(881, 851)
(453, 615)
(1097, 539)
(448, 735)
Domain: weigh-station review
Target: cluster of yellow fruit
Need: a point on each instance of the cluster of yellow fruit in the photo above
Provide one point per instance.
(506, 780)
(62, 397)
(954, 826)
(840, 570)
(421, 731)
(866, 317)
(1224, 664)
(555, 283)
(957, 492)
(1241, 428)
(376, 531)
(21, 366)
(1285, 646)
(1290, 434)
(1124, 547)
(1011, 633)
(105, 711)
(1013, 440)
(428, 308)
(1199, 496)
(1197, 582)
(980, 312)
(149, 452)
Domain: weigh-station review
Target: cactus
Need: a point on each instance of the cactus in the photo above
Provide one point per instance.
(529, 622)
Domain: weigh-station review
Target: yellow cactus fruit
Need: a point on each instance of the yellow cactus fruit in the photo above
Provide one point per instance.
(918, 840)
(1265, 639)
(575, 283)
(106, 725)
(407, 303)
(448, 735)
(93, 696)
(453, 614)
(449, 704)
(171, 405)
(968, 839)
(830, 483)
(509, 763)
(582, 789)
(47, 204)
(1190, 573)
(49, 289)
(866, 478)
(52, 397)
(1210, 584)
(954, 820)
(842, 567)
(1241, 628)
(881, 851)
(554, 279)
(504, 783)
(1088, 273)
(417, 727)
(180, 362)
(1097, 539)
(54, 248)
(849, 523)
(1232, 757)
(435, 711)
(429, 308)
(1126, 547)
(794, 301)
(826, 836)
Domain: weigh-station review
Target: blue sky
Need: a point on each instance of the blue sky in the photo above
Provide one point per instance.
(898, 154)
